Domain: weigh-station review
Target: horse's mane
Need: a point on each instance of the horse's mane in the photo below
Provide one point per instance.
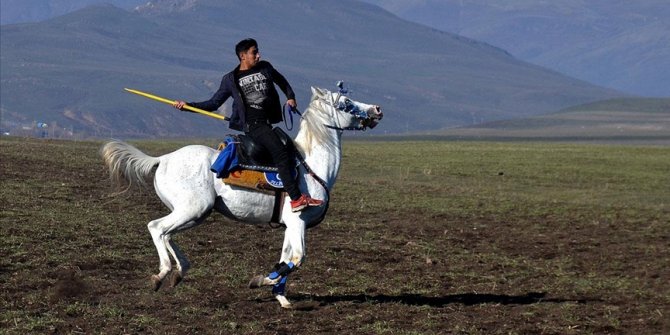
(312, 127)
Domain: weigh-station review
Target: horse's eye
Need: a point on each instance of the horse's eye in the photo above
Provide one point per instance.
(348, 105)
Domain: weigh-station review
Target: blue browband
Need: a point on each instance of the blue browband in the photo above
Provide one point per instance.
(343, 106)
(347, 107)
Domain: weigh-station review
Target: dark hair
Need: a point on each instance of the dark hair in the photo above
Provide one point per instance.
(244, 45)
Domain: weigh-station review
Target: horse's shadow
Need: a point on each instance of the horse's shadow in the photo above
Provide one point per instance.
(419, 300)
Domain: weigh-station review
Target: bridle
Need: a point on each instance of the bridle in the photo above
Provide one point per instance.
(345, 106)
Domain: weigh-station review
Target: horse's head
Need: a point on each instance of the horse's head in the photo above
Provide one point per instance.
(345, 113)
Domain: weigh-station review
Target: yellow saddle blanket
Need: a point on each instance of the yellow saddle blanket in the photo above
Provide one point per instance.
(255, 180)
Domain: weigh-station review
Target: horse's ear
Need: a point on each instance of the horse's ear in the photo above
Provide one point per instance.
(317, 91)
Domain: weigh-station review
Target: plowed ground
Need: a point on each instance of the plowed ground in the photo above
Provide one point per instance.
(421, 238)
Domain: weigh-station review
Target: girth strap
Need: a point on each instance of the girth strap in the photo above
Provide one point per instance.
(279, 204)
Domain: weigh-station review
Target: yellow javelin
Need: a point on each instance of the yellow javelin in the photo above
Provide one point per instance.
(171, 102)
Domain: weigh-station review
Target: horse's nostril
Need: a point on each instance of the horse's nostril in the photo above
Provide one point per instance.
(379, 112)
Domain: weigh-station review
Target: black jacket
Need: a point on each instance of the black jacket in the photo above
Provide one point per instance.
(229, 87)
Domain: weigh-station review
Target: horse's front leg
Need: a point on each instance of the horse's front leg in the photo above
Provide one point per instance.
(279, 291)
(291, 259)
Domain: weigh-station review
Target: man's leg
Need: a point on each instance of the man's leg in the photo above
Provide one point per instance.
(264, 136)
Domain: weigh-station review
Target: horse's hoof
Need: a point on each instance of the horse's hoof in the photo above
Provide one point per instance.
(257, 281)
(175, 279)
(156, 282)
(283, 302)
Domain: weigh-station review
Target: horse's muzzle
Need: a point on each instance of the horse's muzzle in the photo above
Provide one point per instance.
(375, 116)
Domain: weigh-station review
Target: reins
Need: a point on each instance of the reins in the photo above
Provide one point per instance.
(337, 106)
(291, 111)
(321, 182)
(334, 103)
(318, 179)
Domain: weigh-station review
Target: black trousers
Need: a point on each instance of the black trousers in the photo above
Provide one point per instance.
(262, 134)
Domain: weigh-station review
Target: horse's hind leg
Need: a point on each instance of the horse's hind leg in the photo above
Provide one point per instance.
(164, 259)
(180, 258)
(160, 230)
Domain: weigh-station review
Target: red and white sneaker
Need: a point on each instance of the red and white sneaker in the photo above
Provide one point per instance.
(303, 202)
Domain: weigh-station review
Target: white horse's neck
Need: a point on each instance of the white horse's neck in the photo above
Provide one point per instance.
(321, 146)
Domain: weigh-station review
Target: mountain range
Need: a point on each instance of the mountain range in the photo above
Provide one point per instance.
(23, 11)
(612, 43)
(72, 69)
(620, 44)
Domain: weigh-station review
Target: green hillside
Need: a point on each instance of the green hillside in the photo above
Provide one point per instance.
(630, 119)
(72, 69)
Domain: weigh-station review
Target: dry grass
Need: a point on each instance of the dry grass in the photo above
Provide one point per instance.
(421, 238)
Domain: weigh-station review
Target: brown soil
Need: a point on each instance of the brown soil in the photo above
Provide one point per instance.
(76, 261)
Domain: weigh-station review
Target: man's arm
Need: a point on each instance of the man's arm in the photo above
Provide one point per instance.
(220, 96)
(283, 84)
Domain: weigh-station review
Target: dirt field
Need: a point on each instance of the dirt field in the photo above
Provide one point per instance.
(470, 241)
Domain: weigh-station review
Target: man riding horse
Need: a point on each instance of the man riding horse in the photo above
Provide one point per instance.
(255, 108)
(184, 181)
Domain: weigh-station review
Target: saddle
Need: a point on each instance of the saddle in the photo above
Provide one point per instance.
(252, 156)
(244, 163)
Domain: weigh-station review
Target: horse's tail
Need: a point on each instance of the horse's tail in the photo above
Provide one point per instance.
(125, 162)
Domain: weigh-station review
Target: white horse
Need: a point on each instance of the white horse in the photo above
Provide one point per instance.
(184, 182)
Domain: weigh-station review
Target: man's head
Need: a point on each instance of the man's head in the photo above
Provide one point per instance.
(247, 52)
(244, 45)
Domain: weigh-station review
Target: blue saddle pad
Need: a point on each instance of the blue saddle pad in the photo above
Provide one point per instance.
(273, 179)
(227, 160)
(240, 153)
